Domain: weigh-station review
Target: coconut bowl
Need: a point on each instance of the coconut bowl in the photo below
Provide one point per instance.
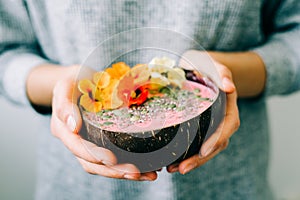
(152, 149)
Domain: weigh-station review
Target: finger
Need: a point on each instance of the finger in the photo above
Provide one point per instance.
(231, 119)
(148, 176)
(119, 171)
(102, 170)
(64, 104)
(226, 77)
(197, 161)
(228, 126)
(173, 168)
(80, 147)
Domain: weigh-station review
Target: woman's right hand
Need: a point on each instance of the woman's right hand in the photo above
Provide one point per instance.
(66, 123)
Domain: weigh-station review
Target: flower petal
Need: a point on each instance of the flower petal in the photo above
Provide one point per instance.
(176, 77)
(180, 72)
(163, 62)
(89, 104)
(86, 86)
(157, 78)
(110, 96)
(159, 69)
(125, 87)
(140, 73)
(140, 99)
(118, 70)
(101, 79)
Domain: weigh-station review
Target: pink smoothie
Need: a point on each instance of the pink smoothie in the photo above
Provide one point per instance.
(158, 113)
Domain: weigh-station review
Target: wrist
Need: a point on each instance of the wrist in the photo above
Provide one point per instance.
(248, 71)
(42, 80)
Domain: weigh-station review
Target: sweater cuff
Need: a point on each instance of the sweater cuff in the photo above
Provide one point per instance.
(278, 66)
(18, 66)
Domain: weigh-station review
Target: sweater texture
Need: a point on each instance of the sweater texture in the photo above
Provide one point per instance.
(33, 32)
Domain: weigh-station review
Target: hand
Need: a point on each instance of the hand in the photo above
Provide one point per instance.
(66, 122)
(219, 140)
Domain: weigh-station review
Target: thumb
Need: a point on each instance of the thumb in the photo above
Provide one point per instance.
(64, 104)
(227, 84)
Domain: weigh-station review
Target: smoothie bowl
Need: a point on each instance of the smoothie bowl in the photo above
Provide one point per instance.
(152, 114)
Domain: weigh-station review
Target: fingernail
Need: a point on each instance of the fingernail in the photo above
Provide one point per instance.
(227, 83)
(130, 177)
(71, 123)
(189, 168)
(145, 178)
(208, 151)
(174, 169)
(209, 146)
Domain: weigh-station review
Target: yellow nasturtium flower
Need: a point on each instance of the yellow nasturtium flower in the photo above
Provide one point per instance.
(87, 99)
(109, 95)
(101, 79)
(102, 92)
(99, 94)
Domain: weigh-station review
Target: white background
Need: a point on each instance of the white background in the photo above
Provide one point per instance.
(18, 141)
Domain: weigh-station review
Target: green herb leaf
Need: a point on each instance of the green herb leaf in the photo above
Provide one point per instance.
(106, 117)
(203, 98)
(165, 90)
(107, 123)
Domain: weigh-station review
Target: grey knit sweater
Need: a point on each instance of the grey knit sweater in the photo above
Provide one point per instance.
(64, 32)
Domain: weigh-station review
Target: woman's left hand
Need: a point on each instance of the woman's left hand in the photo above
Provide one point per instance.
(219, 140)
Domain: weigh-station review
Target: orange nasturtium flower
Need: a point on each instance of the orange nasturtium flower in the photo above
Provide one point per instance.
(130, 88)
(140, 97)
(118, 70)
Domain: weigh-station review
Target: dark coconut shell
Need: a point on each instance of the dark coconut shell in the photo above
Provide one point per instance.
(155, 149)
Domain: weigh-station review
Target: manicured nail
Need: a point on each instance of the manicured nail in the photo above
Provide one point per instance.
(209, 145)
(208, 151)
(189, 168)
(227, 83)
(71, 123)
(145, 178)
(130, 177)
(174, 169)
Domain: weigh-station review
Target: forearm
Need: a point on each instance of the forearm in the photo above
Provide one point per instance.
(248, 70)
(41, 81)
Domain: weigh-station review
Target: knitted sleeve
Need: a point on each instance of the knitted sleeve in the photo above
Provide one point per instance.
(281, 51)
(18, 50)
